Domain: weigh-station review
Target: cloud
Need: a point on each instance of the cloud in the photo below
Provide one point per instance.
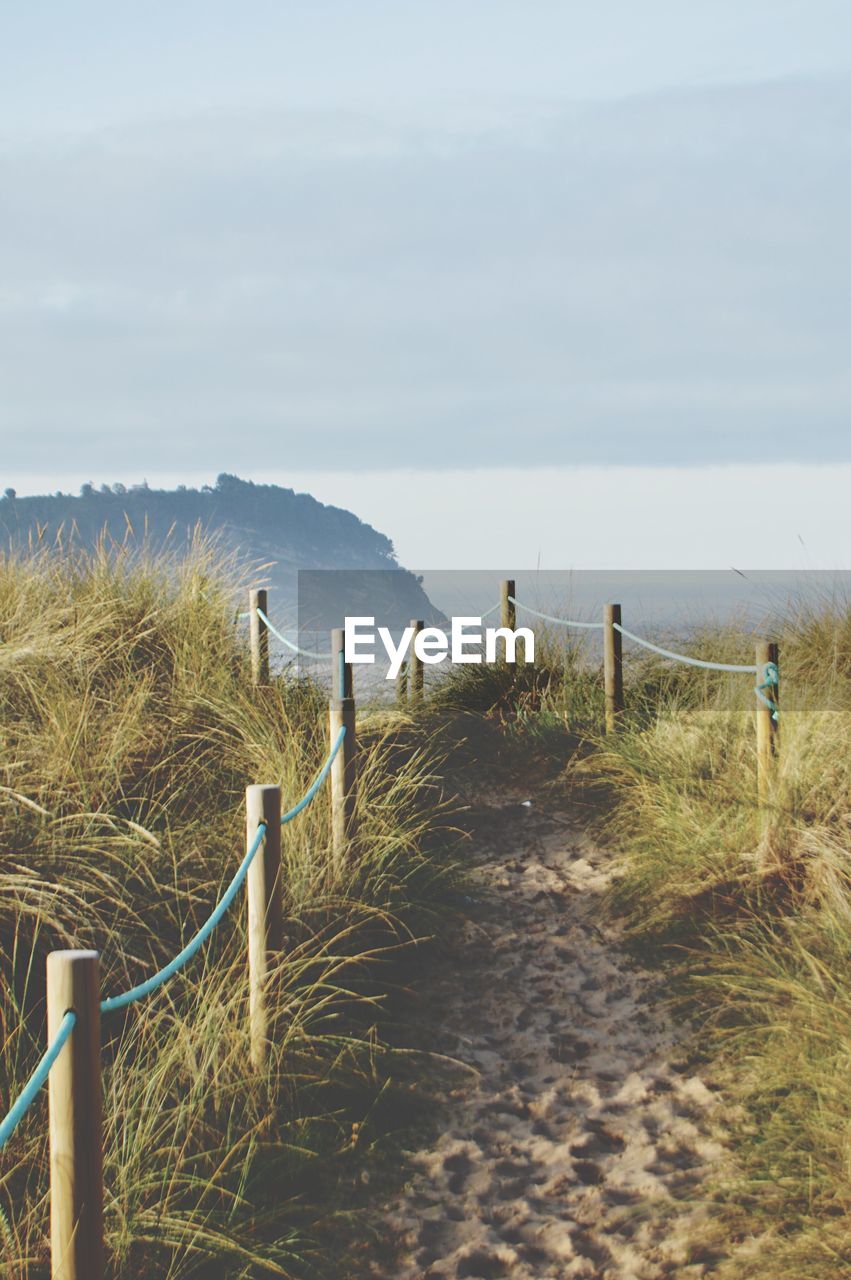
(663, 279)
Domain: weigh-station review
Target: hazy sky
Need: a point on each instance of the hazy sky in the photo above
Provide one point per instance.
(276, 237)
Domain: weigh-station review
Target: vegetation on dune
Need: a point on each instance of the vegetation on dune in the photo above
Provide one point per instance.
(762, 904)
(130, 730)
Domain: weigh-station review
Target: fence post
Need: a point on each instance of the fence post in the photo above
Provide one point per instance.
(76, 1125)
(402, 685)
(612, 665)
(259, 635)
(344, 767)
(766, 725)
(507, 612)
(507, 607)
(263, 888)
(415, 666)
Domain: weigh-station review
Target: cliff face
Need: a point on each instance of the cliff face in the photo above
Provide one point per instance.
(263, 524)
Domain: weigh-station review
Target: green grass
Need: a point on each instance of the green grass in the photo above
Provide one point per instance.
(130, 730)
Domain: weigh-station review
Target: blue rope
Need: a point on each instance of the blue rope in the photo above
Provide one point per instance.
(38, 1078)
(561, 622)
(770, 680)
(317, 782)
(192, 948)
(305, 653)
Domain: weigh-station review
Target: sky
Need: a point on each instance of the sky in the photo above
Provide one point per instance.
(429, 249)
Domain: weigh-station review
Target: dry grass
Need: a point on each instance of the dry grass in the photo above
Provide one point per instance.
(129, 733)
(762, 906)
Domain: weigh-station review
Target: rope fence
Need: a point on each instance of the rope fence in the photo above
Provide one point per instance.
(548, 617)
(303, 653)
(71, 1063)
(765, 668)
(410, 683)
(682, 657)
(768, 670)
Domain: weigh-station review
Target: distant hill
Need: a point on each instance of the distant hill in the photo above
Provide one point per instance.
(263, 524)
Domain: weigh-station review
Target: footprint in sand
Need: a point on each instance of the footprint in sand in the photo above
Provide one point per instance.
(580, 1147)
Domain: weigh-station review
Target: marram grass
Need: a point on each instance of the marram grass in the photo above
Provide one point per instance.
(129, 731)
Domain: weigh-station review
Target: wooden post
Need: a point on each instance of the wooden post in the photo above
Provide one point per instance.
(402, 685)
(508, 614)
(76, 1125)
(344, 768)
(259, 634)
(612, 665)
(415, 665)
(263, 888)
(766, 725)
(508, 609)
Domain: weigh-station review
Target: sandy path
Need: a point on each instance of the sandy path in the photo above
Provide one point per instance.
(579, 1142)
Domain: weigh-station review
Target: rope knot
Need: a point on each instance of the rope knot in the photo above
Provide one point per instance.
(770, 680)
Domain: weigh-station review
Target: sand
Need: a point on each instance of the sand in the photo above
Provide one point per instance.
(576, 1140)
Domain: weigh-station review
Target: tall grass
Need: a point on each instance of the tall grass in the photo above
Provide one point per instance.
(761, 902)
(129, 732)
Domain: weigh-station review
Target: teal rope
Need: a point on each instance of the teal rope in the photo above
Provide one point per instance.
(305, 653)
(561, 622)
(38, 1078)
(317, 782)
(192, 948)
(770, 680)
(681, 657)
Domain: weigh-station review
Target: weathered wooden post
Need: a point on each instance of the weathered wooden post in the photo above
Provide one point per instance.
(507, 607)
(263, 889)
(402, 685)
(415, 665)
(344, 767)
(612, 665)
(767, 656)
(508, 615)
(76, 1125)
(259, 635)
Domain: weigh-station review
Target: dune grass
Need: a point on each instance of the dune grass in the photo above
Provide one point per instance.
(130, 730)
(759, 904)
